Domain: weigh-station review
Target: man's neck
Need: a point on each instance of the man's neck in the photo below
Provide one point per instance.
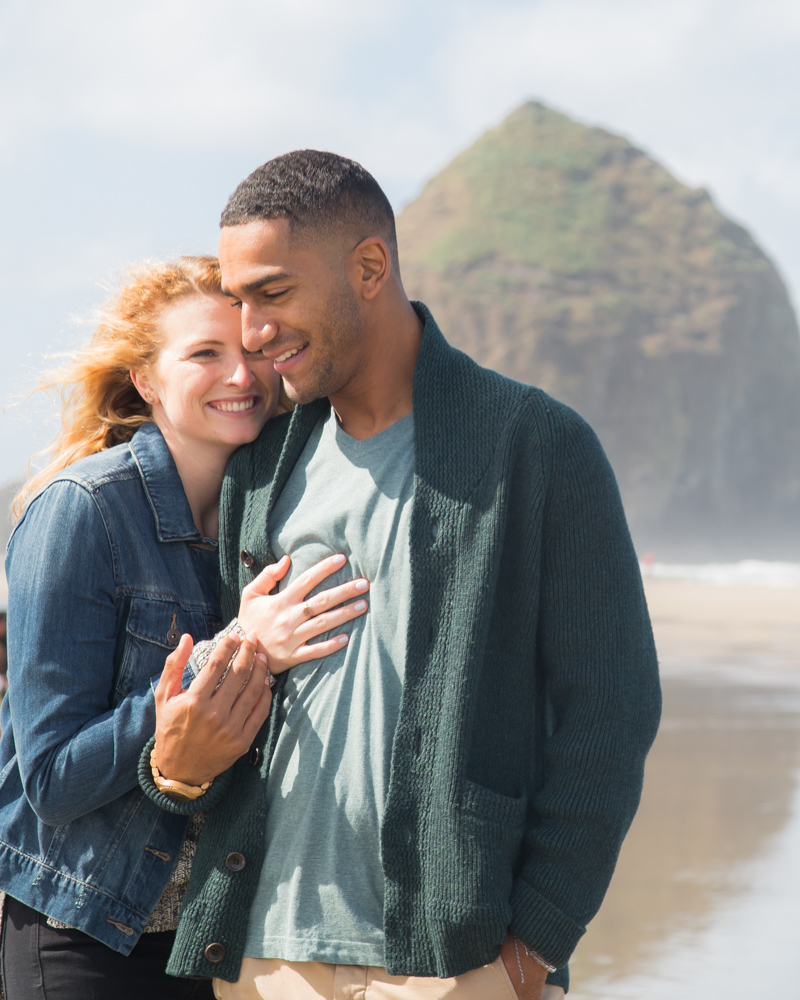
(381, 393)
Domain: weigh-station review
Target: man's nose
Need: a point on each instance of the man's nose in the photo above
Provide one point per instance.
(257, 329)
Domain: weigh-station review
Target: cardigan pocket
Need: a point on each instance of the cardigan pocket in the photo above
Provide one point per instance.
(474, 875)
(477, 800)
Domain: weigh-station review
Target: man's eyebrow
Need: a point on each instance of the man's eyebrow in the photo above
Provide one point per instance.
(256, 283)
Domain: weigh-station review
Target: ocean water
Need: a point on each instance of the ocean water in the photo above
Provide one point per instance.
(748, 573)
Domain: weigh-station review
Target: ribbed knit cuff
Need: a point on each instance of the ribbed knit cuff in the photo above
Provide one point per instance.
(541, 925)
(204, 803)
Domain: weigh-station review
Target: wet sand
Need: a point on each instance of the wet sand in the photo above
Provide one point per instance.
(705, 899)
(699, 626)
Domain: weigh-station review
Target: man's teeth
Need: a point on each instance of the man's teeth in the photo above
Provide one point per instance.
(247, 404)
(288, 354)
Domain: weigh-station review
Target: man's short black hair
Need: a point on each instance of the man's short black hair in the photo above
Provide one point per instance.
(321, 193)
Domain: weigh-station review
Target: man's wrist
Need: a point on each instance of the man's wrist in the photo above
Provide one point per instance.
(534, 955)
(181, 791)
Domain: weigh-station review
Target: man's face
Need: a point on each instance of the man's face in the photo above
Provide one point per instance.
(298, 306)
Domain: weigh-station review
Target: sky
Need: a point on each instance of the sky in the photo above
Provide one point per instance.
(124, 127)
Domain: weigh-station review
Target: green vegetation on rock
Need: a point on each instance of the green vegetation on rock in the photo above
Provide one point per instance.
(564, 256)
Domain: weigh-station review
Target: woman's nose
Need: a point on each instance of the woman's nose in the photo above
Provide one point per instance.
(242, 377)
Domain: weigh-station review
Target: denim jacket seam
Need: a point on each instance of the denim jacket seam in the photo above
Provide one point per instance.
(70, 878)
(100, 505)
(170, 597)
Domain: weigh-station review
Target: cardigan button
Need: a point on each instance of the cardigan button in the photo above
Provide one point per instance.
(214, 953)
(235, 861)
(248, 560)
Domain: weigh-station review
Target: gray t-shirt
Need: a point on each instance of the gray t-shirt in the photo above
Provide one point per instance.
(320, 895)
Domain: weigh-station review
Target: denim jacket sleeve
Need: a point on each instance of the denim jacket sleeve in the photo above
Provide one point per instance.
(77, 749)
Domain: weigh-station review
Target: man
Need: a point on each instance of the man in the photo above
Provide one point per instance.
(437, 808)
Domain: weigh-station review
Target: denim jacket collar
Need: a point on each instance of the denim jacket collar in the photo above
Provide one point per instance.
(164, 488)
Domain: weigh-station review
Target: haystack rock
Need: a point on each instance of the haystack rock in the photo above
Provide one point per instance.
(565, 257)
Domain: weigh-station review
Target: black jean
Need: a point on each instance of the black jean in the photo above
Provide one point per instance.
(42, 963)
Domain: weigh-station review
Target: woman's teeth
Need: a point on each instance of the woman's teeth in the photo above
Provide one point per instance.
(247, 404)
(287, 355)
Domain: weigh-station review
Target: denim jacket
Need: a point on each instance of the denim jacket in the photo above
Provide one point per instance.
(106, 569)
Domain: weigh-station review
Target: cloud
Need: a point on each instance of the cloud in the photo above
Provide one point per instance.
(125, 126)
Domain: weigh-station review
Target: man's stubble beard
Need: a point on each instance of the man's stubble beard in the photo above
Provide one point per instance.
(337, 358)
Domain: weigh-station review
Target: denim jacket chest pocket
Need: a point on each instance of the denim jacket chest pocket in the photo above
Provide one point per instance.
(153, 631)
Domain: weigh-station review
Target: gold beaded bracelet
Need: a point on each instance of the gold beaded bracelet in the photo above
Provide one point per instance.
(177, 790)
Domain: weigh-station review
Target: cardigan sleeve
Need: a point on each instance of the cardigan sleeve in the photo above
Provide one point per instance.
(595, 646)
(219, 788)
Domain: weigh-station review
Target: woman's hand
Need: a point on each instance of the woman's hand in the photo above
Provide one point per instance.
(202, 731)
(286, 622)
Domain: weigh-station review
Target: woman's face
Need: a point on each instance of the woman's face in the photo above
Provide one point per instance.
(206, 390)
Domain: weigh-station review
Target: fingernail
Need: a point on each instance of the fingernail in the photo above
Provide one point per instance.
(338, 560)
(252, 637)
(343, 640)
(360, 605)
(361, 584)
(261, 658)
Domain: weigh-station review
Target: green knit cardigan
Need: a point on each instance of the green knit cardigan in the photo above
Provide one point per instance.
(531, 692)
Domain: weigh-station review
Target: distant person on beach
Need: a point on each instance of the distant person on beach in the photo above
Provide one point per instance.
(113, 558)
(435, 810)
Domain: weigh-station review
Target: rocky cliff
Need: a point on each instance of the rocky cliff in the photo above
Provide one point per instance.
(565, 257)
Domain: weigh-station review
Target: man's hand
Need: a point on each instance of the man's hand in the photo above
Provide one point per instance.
(285, 623)
(514, 957)
(200, 732)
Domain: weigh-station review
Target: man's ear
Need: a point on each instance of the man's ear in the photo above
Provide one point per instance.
(143, 387)
(371, 266)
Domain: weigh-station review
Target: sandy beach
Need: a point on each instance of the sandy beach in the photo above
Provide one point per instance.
(709, 627)
(713, 857)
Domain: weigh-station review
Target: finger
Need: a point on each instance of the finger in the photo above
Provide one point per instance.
(316, 650)
(171, 681)
(313, 577)
(209, 677)
(249, 694)
(258, 715)
(330, 598)
(330, 620)
(266, 580)
(238, 674)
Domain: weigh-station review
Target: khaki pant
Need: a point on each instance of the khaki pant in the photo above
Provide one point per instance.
(274, 979)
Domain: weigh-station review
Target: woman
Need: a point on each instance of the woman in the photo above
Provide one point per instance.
(113, 559)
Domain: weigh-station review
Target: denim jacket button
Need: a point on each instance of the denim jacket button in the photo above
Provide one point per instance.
(174, 634)
(235, 861)
(214, 952)
(247, 559)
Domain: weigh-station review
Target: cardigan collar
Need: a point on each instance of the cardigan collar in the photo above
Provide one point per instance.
(456, 424)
